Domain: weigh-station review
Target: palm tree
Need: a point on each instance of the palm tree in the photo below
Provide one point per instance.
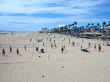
(72, 28)
(69, 28)
(81, 29)
(75, 23)
(61, 29)
(88, 25)
(75, 28)
(109, 23)
(104, 24)
(92, 24)
(98, 25)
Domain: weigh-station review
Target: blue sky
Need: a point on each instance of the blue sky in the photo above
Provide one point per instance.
(32, 15)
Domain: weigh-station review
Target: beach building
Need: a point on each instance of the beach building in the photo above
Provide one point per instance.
(106, 36)
(91, 35)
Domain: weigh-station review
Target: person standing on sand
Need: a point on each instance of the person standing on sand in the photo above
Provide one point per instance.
(89, 44)
(81, 47)
(47, 39)
(30, 40)
(54, 41)
(62, 49)
(43, 44)
(54, 44)
(51, 45)
(73, 43)
(10, 49)
(99, 46)
(17, 51)
(64, 39)
(108, 44)
(69, 40)
(3, 52)
(95, 46)
(25, 47)
(37, 48)
(50, 39)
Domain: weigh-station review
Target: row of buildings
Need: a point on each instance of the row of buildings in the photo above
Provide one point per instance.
(98, 35)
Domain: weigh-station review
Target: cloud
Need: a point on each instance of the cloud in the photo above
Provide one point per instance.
(52, 12)
(42, 6)
(61, 25)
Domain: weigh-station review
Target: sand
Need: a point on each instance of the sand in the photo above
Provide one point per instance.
(72, 65)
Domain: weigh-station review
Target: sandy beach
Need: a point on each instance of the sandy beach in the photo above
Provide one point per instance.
(73, 65)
